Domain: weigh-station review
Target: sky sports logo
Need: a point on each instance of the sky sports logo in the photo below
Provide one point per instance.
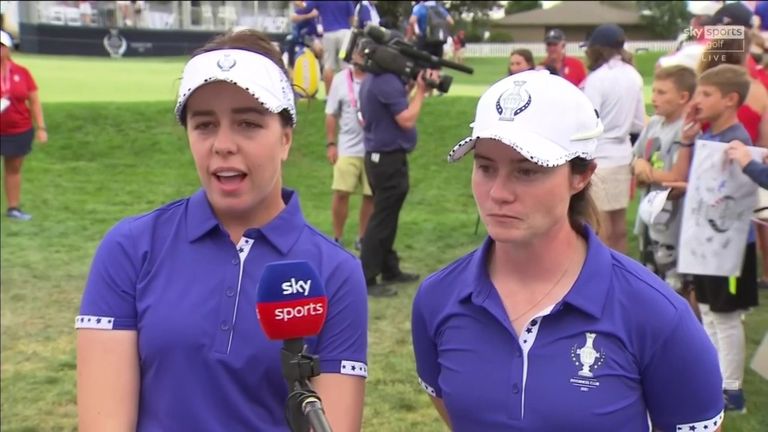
(301, 311)
(719, 38)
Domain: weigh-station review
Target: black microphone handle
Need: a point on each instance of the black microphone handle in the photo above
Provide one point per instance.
(313, 409)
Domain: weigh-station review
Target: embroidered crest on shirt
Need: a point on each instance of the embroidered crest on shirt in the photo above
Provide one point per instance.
(513, 101)
(587, 358)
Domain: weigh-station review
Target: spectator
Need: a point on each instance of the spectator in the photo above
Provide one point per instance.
(336, 19)
(86, 12)
(520, 60)
(616, 90)
(304, 31)
(459, 44)
(755, 170)
(567, 67)
(167, 335)
(342, 113)
(366, 13)
(753, 113)
(691, 43)
(542, 327)
(430, 25)
(19, 107)
(657, 147)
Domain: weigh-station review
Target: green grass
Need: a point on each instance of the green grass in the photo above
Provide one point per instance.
(110, 156)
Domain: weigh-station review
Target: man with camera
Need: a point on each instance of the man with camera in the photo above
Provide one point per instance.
(389, 126)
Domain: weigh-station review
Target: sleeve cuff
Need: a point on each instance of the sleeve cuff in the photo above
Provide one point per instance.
(104, 323)
(431, 390)
(344, 367)
(711, 424)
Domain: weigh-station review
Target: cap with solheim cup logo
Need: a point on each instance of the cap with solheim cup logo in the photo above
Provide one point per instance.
(252, 72)
(542, 116)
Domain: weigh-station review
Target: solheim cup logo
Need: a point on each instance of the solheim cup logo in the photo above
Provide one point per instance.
(513, 101)
(226, 63)
(588, 355)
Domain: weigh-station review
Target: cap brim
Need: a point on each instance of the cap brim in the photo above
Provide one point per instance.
(533, 147)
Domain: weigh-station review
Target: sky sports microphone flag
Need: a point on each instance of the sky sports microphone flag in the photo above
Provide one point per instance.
(291, 301)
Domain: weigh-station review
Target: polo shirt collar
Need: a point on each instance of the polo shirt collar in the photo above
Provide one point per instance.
(282, 231)
(588, 293)
(590, 290)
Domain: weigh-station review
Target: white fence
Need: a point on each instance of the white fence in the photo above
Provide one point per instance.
(538, 49)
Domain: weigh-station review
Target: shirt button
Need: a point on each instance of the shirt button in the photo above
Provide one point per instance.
(515, 388)
(224, 325)
(235, 261)
(518, 354)
(230, 292)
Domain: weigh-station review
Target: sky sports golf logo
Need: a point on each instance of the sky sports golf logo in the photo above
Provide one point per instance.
(720, 38)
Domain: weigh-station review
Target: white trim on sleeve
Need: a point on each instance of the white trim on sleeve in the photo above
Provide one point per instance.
(94, 322)
(706, 425)
(349, 367)
(427, 388)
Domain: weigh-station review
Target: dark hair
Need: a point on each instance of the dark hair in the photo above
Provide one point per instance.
(247, 40)
(682, 77)
(582, 209)
(526, 54)
(727, 79)
(599, 55)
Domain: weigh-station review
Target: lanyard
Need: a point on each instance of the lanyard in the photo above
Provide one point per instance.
(351, 89)
(352, 98)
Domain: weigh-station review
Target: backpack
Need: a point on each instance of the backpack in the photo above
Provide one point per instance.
(437, 30)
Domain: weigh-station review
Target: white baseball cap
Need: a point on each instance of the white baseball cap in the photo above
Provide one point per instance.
(704, 8)
(252, 72)
(6, 39)
(542, 116)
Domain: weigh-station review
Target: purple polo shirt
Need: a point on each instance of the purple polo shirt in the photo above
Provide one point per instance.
(620, 347)
(382, 98)
(335, 15)
(174, 276)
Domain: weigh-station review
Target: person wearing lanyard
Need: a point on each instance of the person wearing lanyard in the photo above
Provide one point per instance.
(342, 109)
(19, 106)
(543, 311)
(167, 335)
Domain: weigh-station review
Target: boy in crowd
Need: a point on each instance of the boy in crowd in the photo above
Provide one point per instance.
(657, 147)
(719, 93)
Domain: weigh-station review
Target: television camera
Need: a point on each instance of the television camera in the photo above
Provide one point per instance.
(389, 52)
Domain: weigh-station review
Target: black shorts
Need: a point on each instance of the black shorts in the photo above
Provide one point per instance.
(714, 291)
(16, 145)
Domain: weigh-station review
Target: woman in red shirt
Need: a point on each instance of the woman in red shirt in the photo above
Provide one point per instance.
(19, 104)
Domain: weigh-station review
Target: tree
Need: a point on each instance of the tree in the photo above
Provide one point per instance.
(514, 7)
(395, 13)
(664, 19)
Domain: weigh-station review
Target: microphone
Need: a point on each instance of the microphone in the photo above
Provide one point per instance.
(291, 305)
(291, 301)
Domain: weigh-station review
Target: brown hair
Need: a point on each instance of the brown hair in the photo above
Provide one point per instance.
(247, 40)
(599, 55)
(683, 78)
(582, 209)
(526, 54)
(728, 78)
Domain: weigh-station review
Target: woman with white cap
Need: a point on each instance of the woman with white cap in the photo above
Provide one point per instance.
(168, 338)
(543, 311)
(20, 106)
